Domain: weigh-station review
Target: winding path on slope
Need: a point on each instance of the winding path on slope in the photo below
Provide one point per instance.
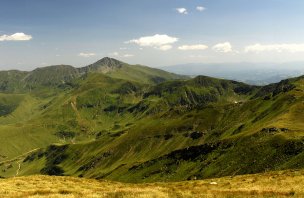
(20, 158)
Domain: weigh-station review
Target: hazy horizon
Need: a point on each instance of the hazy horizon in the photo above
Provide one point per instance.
(264, 65)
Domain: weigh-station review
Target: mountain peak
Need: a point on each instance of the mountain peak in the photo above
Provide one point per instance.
(104, 65)
(109, 62)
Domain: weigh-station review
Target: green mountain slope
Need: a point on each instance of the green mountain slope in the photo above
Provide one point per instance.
(138, 73)
(48, 102)
(51, 76)
(63, 76)
(11, 81)
(114, 121)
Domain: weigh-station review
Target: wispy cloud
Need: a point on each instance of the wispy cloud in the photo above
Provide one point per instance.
(86, 55)
(157, 41)
(182, 10)
(165, 47)
(200, 8)
(292, 48)
(193, 47)
(16, 37)
(223, 47)
(128, 55)
(117, 54)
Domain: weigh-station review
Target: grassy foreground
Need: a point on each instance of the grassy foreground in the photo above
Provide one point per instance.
(272, 184)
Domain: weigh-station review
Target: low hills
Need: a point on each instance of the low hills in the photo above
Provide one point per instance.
(115, 121)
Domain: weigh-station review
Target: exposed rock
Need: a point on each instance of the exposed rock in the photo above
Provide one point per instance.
(272, 130)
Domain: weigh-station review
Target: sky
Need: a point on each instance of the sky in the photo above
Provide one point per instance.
(37, 33)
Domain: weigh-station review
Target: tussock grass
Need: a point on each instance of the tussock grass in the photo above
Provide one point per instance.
(272, 184)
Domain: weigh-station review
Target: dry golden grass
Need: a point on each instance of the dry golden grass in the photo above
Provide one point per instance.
(273, 184)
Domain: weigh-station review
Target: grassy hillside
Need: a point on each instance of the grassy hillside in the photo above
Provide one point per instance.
(178, 137)
(273, 184)
(115, 122)
(11, 81)
(138, 73)
(55, 104)
(63, 76)
(51, 76)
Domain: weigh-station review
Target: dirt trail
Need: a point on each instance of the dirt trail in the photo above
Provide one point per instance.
(19, 167)
(18, 157)
(81, 122)
(74, 107)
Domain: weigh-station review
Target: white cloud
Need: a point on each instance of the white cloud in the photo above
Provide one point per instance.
(86, 55)
(16, 37)
(128, 55)
(200, 8)
(182, 10)
(165, 47)
(193, 47)
(154, 41)
(158, 41)
(223, 47)
(292, 48)
(117, 54)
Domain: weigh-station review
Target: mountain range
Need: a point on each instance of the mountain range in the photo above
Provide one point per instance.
(250, 73)
(111, 120)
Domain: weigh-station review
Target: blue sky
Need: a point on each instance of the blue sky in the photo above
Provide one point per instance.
(35, 33)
